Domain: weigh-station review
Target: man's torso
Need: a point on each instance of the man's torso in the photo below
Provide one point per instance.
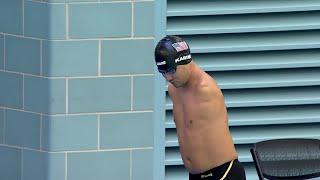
(202, 125)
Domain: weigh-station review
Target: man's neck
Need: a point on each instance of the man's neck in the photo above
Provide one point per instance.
(193, 78)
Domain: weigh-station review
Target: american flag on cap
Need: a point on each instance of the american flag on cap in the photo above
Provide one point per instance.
(180, 46)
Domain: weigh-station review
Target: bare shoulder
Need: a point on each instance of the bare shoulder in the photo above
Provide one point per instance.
(207, 88)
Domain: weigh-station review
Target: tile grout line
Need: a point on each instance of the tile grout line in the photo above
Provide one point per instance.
(41, 121)
(95, 2)
(76, 77)
(82, 39)
(67, 20)
(113, 76)
(132, 19)
(26, 148)
(66, 166)
(22, 151)
(21, 110)
(26, 37)
(22, 17)
(101, 150)
(4, 52)
(41, 49)
(4, 126)
(130, 164)
(23, 79)
(98, 119)
(84, 113)
(103, 38)
(131, 98)
(33, 75)
(99, 58)
(67, 95)
(78, 151)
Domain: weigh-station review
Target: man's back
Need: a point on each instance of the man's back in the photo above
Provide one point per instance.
(202, 124)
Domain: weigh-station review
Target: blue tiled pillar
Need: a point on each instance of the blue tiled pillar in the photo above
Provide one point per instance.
(76, 89)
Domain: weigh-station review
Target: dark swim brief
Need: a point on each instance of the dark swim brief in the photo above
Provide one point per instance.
(232, 170)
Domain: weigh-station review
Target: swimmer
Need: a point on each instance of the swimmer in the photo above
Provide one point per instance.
(200, 114)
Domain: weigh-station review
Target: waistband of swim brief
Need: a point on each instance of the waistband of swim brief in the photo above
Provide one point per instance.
(216, 172)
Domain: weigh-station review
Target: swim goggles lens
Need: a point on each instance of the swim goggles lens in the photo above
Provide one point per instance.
(169, 72)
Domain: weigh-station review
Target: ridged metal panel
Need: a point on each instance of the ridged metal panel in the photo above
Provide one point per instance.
(265, 56)
(258, 41)
(252, 134)
(258, 60)
(264, 115)
(243, 23)
(218, 7)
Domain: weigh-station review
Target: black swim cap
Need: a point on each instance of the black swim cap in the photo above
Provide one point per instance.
(170, 52)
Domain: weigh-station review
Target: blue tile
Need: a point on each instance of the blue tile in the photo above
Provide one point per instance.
(27, 60)
(99, 94)
(98, 165)
(100, 20)
(70, 58)
(55, 1)
(44, 95)
(142, 164)
(11, 90)
(44, 20)
(1, 51)
(144, 19)
(43, 165)
(82, 0)
(78, 132)
(11, 16)
(1, 125)
(22, 129)
(127, 56)
(110, 0)
(10, 164)
(143, 92)
(138, 128)
(56, 166)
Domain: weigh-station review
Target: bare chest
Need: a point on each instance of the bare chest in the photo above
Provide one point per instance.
(192, 112)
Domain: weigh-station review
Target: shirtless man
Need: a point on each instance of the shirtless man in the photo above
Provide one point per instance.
(200, 115)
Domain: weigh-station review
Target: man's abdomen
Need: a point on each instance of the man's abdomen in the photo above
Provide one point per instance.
(205, 148)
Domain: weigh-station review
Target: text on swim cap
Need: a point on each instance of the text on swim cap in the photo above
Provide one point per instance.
(161, 63)
(182, 58)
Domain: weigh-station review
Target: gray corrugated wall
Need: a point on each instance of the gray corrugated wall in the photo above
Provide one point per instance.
(265, 57)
